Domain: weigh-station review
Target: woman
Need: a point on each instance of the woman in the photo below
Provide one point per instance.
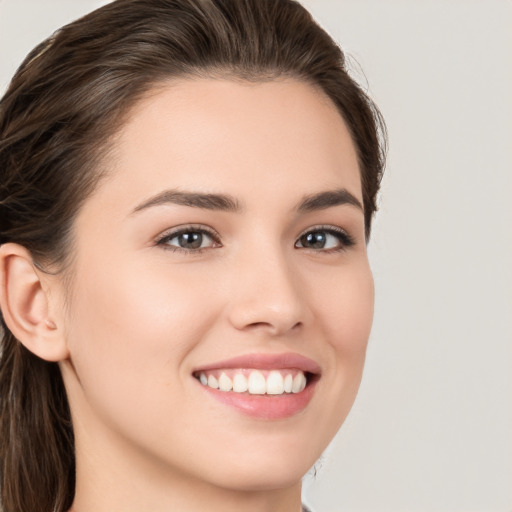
(187, 191)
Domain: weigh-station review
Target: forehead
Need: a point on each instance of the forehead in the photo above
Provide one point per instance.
(219, 135)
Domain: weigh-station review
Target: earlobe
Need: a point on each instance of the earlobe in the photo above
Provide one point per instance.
(25, 304)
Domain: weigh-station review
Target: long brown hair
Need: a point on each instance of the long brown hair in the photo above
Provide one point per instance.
(59, 115)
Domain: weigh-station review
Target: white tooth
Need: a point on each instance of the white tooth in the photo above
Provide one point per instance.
(240, 384)
(203, 378)
(212, 382)
(299, 383)
(288, 383)
(275, 383)
(257, 383)
(225, 383)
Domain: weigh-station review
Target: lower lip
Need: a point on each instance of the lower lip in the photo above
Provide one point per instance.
(267, 407)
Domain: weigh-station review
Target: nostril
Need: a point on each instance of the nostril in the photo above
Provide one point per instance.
(272, 326)
(257, 325)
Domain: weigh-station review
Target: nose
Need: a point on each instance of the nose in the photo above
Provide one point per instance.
(266, 295)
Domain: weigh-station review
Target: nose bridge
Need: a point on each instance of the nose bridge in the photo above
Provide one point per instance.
(266, 291)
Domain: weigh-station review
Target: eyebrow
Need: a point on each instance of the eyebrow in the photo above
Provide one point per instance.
(227, 203)
(220, 202)
(328, 199)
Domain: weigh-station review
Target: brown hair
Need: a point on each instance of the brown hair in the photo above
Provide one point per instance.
(61, 110)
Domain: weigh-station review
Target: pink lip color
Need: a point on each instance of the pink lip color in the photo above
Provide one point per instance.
(267, 407)
(266, 362)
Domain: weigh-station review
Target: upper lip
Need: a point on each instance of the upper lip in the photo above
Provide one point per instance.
(266, 362)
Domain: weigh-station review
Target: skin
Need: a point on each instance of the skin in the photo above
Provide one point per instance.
(140, 317)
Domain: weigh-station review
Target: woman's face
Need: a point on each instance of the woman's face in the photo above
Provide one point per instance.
(225, 248)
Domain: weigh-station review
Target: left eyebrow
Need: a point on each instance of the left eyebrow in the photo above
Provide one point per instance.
(328, 199)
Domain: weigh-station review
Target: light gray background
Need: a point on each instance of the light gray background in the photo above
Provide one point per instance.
(431, 430)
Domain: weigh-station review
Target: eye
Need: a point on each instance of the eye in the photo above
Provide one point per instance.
(189, 239)
(328, 239)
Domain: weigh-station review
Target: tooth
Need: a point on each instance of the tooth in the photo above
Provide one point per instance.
(240, 384)
(288, 383)
(299, 383)
(225, 383)
(275, 383)
(257, 383)
(212, 382)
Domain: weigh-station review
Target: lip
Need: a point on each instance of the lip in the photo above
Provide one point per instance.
(265, 407)
(266, 362)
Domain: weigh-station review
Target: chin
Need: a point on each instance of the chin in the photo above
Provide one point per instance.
(268, 478)
(266, 470)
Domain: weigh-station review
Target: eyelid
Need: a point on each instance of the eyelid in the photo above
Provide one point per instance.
(346, 239)
(185, 228)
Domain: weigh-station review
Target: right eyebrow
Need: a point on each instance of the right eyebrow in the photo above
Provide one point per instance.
(219, 202)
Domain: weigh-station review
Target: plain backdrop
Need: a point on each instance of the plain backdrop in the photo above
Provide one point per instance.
(431, 430)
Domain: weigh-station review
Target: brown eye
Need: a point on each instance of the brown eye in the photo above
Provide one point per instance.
(327, 239)
(316, 240)
(189, 239)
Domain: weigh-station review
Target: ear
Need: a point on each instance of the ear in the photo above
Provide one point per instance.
(25, 304)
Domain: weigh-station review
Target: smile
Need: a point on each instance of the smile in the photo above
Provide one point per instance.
(264, 386)
(255, 382)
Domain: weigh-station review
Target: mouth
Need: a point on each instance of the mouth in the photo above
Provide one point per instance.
(262, 385)
(256, 381)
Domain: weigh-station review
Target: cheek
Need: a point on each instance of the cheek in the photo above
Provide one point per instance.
(343, 312)
(133, 327)
(347, 309)
(128, 301)
(346, 315)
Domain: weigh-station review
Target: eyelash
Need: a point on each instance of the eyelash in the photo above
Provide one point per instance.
(345, 239)
(163, 240)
